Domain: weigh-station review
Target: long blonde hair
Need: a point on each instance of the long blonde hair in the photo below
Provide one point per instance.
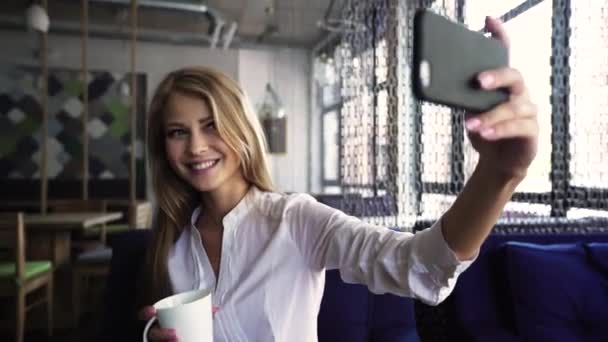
(240, 129)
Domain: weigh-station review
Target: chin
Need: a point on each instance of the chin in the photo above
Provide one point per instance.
(204, 187)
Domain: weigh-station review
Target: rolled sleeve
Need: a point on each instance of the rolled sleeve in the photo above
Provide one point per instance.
(435, 266)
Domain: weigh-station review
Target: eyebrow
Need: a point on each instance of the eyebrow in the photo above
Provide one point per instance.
(201, 121)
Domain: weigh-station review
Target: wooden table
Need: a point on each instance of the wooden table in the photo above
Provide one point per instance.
(48, 236)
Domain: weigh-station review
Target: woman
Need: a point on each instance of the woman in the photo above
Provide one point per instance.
(264, 254)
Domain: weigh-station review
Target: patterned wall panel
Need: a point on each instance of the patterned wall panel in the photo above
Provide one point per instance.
(20, 122)
(108, 124)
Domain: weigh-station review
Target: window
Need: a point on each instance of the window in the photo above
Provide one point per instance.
(531, 54)
(328, 85)
(569, 177)
(589, 94)
(355, 127)
(587, 113)
(331, 144)
(571, 168)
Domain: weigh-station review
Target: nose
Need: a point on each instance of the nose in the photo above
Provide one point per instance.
(198, 144)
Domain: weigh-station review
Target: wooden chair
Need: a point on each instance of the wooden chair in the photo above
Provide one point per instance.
(19, 277)
(139, 216)
(96, 263)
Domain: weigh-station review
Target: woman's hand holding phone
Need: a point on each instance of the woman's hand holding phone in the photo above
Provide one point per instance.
(505, 136)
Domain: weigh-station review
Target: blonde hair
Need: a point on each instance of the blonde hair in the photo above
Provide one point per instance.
(238, 127)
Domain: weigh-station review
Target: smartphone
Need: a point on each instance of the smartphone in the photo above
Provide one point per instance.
(447, 59)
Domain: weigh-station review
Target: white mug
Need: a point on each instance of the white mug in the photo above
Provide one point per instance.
(189, 313)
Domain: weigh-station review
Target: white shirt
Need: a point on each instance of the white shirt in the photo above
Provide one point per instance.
(275, 251)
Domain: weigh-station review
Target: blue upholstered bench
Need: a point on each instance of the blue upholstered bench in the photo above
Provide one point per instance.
(533, 288)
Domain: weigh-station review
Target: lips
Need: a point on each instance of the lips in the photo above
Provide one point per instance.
(203, 165)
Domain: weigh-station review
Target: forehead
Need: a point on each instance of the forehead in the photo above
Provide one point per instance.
(185, 107)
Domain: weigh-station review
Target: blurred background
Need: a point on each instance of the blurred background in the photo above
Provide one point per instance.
(330, 82)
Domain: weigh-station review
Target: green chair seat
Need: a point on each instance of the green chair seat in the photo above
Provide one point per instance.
(32, 269)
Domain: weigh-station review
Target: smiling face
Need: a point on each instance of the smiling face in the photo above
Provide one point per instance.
(194, 148)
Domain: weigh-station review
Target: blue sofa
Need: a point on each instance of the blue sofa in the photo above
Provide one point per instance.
(539, 287)
(349, 312)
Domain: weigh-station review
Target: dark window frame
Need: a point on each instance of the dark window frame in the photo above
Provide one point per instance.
(336, 107)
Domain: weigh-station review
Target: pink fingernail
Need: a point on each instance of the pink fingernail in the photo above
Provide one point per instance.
(486, 80)
(471, 124)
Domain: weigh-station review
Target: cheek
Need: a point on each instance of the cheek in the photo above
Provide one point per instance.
(226, 151)
(235, 160)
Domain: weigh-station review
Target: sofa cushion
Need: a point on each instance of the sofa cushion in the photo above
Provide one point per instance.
(598, 255)
(344, 314)
(350, 312)
(557, 294)
(393, 319)
(480, 307)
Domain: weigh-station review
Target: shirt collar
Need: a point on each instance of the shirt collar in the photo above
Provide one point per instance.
(235, 215)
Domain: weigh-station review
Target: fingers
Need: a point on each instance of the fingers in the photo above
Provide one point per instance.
(503, 121)
(508, 78)
(519, 128)
(156, 334)
(498, 31)
(162, 335)
(146, 313)
(503, 112)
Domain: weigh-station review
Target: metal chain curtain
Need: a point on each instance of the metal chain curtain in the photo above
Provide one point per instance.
(364, 113)
(402, 161)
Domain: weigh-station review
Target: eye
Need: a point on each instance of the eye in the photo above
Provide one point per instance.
(210, 126)
(176, 132)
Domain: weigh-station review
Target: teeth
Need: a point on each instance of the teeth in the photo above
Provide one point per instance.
(202, 166)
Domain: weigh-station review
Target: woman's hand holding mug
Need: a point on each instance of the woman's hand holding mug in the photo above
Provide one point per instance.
(156, 333)
(184, 317)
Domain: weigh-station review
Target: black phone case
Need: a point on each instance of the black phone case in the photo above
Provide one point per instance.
(447, 59)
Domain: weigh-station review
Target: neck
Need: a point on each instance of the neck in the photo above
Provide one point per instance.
(221, 201)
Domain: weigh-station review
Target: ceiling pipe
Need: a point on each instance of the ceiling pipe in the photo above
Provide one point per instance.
(161, 5)
(104, 31)
(215, 35)
(216, 20)
(229, 35)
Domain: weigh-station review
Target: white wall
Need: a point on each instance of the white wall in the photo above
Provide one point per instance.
(288, 71)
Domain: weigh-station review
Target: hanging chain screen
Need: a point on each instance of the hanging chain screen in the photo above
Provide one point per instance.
(402, 161)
